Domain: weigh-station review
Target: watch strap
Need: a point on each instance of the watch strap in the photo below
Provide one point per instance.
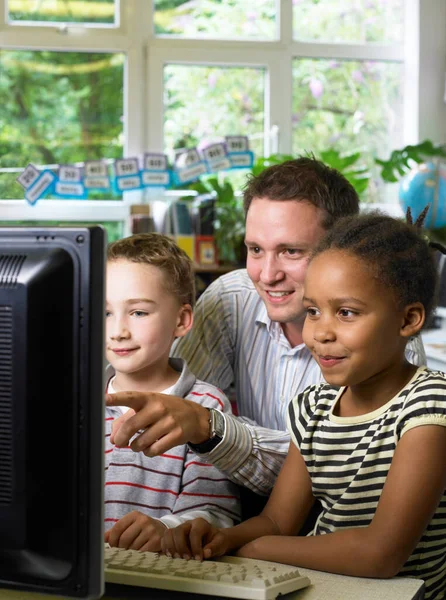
(216, 428)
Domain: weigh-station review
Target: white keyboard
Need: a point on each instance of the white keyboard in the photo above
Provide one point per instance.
(228, 576)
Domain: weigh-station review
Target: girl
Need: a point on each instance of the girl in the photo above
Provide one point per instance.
(371, 443)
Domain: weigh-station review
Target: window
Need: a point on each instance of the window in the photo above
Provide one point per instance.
(232, 19)
(104, 79)
(58, 108)
(347, 104)
(203, 104)
(98, 12)
(359, 21)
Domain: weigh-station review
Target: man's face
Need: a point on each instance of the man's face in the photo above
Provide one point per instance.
(280, 235)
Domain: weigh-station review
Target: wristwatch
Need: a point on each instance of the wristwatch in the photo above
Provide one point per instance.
(217, 431)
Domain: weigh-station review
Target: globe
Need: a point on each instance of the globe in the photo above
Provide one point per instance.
(426, 184)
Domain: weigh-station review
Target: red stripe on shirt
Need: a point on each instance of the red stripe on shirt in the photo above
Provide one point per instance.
(144, 487)
(211, 396)
(195, 462)
(209, 495)
(171, 456)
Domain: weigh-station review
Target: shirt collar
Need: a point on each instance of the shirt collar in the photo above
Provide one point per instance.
(274, 328)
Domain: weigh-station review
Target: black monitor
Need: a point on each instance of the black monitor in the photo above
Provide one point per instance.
(51, 409)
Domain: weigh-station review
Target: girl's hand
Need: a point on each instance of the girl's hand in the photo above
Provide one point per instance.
(194, 539)
(136, 531)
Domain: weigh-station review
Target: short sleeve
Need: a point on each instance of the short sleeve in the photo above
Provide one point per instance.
(300, 410)
(425, 404)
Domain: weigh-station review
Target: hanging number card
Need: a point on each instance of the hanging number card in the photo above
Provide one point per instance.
(156, 170)
(189, 166)
(36, 184)
(216, 158)
(96, 175)
(127, 173)
(239, 154)
(69, 183)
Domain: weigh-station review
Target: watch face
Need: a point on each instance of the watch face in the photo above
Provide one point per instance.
(218, 423)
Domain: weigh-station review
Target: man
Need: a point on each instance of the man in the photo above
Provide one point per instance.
(248, 332)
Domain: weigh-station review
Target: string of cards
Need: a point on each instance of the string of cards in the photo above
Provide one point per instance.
(75, 182)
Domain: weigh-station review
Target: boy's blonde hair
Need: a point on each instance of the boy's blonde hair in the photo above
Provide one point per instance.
(162, 252)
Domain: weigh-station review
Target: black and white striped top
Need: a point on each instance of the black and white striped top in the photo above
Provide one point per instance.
(348, 459)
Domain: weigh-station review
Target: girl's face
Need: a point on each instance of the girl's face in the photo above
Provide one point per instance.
(352, 325)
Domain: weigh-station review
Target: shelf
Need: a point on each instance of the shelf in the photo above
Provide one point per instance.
(215, 269)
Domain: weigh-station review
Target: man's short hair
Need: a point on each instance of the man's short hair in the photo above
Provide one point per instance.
(162, 252)
(305, 179)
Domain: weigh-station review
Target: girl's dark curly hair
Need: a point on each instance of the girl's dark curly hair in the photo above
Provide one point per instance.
(398, 253)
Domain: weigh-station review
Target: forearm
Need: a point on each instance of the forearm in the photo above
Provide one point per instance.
(250, 530)
(353, 552)
(214, 517)
(249, 455)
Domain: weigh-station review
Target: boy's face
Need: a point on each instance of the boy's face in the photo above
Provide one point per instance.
(142, 317)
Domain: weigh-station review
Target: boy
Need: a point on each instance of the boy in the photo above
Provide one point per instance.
(150, 294)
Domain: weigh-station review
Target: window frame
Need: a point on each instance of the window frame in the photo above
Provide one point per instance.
(423, 55)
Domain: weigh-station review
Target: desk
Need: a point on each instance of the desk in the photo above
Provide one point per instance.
(325, 586)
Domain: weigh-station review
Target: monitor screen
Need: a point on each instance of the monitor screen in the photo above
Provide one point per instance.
(51, 409)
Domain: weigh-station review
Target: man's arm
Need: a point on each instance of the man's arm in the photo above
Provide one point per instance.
(250, 455)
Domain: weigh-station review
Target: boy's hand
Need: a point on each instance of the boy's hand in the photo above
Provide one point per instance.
(168, 421)
(136, 531)
(195, 539)
(118, 422)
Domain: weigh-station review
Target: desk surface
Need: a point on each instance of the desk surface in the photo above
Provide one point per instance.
(325, 586)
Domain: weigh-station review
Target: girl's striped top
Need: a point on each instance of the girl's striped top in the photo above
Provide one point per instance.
(348, 459)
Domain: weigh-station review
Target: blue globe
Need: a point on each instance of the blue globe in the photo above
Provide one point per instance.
(425, 184)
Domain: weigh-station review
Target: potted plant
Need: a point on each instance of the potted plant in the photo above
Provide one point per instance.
(421, 170)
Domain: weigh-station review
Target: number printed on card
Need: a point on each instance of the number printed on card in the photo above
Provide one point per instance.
(28, 177)
(69, 173)
(126, 166)
(237, 143)
(95, 168)
(155, 162)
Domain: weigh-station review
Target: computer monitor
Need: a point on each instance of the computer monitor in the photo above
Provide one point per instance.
(52, 409)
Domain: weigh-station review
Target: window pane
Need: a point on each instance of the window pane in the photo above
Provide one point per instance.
(202, 103)
(58, 108)
(67, 11)
(357, 21)
(216, 18)
(347, 105)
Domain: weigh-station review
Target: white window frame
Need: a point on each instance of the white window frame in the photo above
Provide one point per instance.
(423, 54)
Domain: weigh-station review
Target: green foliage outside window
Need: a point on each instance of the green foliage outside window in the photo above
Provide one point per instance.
(58, 108)
(66, 11)
(243, 19)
